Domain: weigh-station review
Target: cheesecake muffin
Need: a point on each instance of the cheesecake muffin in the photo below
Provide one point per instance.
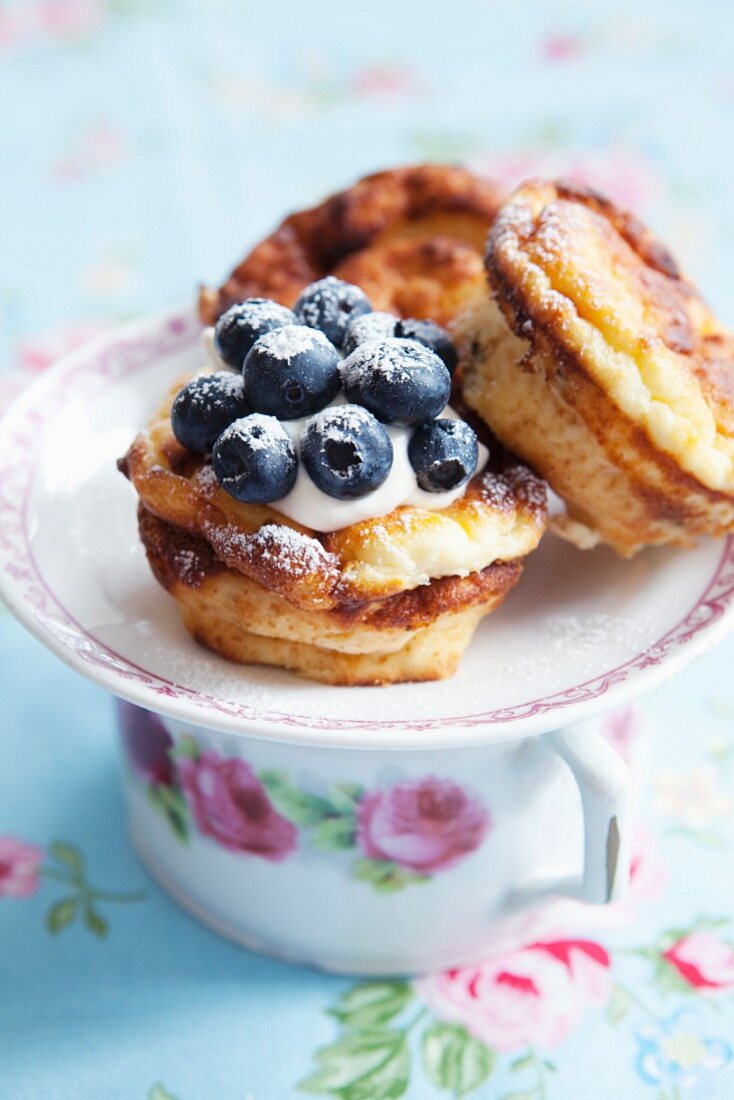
(329, 513)
(596, 361)
(311, 498)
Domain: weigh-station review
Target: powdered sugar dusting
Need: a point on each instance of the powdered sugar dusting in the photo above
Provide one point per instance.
(274, 545)
(328, 304)
(219, 395)
(340, 422)
(394, 359)
(261, 432)
(496, 492)
(291, 340)
(513, 223)
(528, 489)
(211, 386)
(515, 486)
(369, 326)
(188, 567)
(262, 311)
(557, 225)
(292, 549)
(207, 479)
(400, 520)
(562, 635)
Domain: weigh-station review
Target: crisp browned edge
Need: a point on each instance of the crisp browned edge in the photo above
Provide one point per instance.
(523, 319)
(310, 243)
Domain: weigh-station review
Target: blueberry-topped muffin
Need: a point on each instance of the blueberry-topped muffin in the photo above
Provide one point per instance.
(313, 501)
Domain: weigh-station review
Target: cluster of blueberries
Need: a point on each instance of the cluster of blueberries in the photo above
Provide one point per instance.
(394, 371)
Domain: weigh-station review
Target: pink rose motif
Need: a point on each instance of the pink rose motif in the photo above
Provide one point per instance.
(231, 805)
(705, 961)
(426, 825)
(19, 864)
(534, 996)
(147, 744)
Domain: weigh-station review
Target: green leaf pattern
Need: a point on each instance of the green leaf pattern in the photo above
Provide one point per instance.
(171, 803)
(387, 1036)
(61, 914)
(158, 1092)
(384, 876)
(68, 867)
(372, 1004)
(371, 1064)
(68, 855)
(328, 821)
(454, 1060)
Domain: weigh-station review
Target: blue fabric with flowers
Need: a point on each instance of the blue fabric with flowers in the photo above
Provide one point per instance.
(143, 147)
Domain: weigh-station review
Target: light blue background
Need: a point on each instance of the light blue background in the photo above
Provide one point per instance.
(143, 146)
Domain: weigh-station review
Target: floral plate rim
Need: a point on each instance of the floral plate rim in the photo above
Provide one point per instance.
(128, 348)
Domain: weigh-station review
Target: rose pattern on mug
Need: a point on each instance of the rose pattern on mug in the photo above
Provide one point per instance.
(400, 834)
(147, 747)
(426, 825)
(231, 805)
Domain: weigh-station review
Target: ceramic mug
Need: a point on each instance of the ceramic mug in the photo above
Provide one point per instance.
(372, 861)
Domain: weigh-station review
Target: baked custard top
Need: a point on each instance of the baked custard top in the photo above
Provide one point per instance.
(588, 282)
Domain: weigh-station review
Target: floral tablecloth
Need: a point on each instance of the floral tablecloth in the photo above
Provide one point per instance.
(143, 146)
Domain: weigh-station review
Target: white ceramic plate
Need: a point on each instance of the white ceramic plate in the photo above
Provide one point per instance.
(583, 632)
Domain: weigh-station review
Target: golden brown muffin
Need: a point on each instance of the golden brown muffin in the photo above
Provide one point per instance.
(600, 365)
(412, 238)
(434, 277)
(389, 599)
(386, 600)
(414, 635)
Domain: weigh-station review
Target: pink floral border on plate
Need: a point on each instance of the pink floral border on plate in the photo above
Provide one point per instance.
(126, 355)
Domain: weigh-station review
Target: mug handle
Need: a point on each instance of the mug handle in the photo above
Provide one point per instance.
(605, 786)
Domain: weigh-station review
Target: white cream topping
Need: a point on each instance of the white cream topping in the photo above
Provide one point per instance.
(307, 504)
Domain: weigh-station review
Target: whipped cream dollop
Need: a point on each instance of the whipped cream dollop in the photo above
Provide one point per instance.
(308, 505)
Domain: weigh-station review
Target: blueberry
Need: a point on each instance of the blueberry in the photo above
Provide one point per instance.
(329, 305)
(347, 452)
(237, 330)
(255, 460)
(444, 454)
(368, 326)
(432, 336)
(291, 372)
(205, 407)
(401, 382)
